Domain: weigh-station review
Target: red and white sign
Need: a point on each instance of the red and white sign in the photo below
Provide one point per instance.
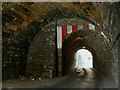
(64, 30)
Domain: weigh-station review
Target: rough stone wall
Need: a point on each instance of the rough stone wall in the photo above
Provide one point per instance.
(42, 53)
(22, 21)
(111, 25)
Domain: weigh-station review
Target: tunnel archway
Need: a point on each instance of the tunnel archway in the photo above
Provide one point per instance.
(16, 26)
(40, 27)
(83, 59)
(76, 41)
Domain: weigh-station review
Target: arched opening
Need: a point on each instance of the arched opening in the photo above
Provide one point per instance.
(83, 59)
(73, 47)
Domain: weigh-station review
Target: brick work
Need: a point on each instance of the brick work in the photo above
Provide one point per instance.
(25, 25)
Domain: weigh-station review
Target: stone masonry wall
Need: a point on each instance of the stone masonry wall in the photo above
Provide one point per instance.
(22, 21)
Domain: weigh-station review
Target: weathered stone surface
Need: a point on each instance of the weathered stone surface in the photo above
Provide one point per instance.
(25, 24)
(41, 56)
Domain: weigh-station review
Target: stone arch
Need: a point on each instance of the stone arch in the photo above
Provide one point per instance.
(76, 41)
(37, 29)
(23, 39)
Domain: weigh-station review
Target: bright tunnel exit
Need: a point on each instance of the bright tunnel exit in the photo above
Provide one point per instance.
(84, 59)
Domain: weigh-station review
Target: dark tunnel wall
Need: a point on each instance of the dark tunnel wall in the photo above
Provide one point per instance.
(25, 21)
(42, 52)
(111, 27)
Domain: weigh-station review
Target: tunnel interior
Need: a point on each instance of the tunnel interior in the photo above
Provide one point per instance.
(72, 45)
(29, 37)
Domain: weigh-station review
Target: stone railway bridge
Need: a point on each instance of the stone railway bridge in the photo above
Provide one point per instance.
(29, 38)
